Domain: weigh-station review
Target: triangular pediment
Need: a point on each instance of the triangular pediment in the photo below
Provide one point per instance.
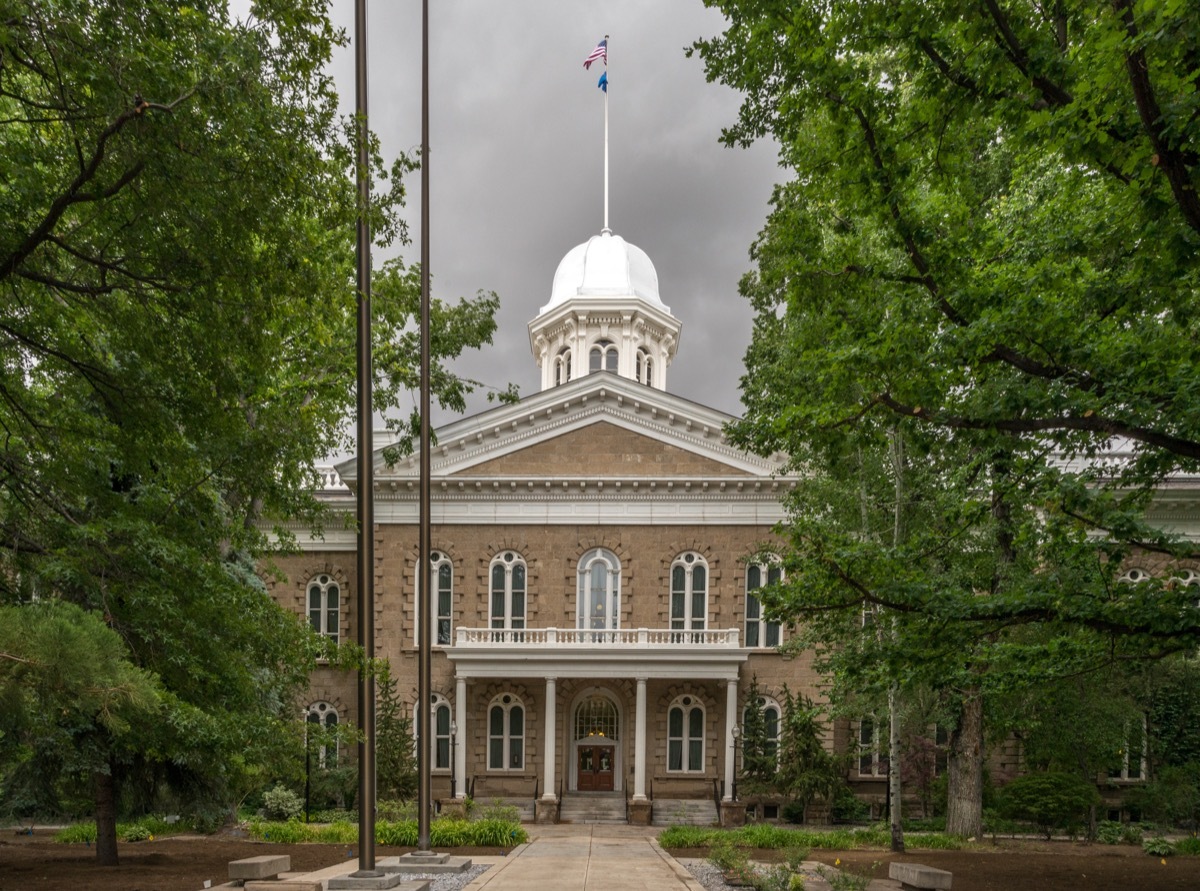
(603, 448)
(598, 427)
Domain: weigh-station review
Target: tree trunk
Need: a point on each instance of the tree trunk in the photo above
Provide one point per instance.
(964, 805)
(105, 789)
(894, 785)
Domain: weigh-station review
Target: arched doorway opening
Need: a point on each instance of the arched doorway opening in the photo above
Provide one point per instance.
(596, 750)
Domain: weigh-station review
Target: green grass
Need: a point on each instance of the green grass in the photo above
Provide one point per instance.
(139, 830)
(443, 833)
(772, 837)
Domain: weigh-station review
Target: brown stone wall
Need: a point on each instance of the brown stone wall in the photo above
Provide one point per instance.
(604, 449)
(551, 554)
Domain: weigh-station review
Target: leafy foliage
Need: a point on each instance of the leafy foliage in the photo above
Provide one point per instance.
(1051, 800)
(395, 753)
(177, 341)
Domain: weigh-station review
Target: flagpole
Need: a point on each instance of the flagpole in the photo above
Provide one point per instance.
(606, 229)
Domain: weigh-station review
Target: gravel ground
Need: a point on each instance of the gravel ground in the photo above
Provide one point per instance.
(710, 877)
(450, 881)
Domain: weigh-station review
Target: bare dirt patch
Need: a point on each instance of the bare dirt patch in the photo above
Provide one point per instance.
(1022, 864)
(37, 863)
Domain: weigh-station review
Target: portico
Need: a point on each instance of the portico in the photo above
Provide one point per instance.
(594, 745)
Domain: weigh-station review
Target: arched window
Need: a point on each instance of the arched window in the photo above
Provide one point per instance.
(645, 368)
(596, 717)
(508, 591)
(441, 576)
(599, 590)
(603, 356)
(872, 760)
(506, 733)
(771, 714)
(759, 631)
(440, 712)
(324, 601)
(321, 738)
(689, 592)
(1134, 576)
(562, 366)
(685, 735)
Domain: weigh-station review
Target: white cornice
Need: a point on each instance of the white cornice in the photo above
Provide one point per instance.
(592, 399)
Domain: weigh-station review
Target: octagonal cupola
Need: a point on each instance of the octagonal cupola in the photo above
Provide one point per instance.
(604, 314)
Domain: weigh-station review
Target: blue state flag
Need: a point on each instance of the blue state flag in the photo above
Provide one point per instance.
(603, 82)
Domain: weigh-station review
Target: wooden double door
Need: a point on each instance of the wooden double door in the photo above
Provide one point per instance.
(596, 767)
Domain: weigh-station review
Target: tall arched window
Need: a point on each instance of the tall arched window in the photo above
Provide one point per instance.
(441, 575)
(759, 631)
(562, 366)
(685, 735)
(321, 738)
(689, 592)
(440, 713)
(508, 591)
(770, 712)
(603, 356)
(645, 368)
(324, 602)
(599, 591)
(506, 733)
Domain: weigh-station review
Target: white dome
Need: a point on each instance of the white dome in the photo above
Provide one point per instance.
(605, 265)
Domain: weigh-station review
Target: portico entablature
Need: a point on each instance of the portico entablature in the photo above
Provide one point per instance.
(574, 653)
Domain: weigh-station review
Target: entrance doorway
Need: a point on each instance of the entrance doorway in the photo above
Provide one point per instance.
(595, 765)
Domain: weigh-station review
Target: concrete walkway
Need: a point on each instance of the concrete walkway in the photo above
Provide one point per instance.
(586, 858)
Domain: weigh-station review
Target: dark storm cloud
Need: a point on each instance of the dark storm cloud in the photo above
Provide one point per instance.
(517, 163)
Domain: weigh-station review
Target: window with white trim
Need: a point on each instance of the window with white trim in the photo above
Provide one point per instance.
(324, 605)
(771, 715)
(321, 734)
(1130, 763)
(1134, 576)
(645, 368)
(508, 576)
(598, 603)
(689, 592)
(872, 760)
(506, 733)
(685, 735)
(441, 575)
(562, 366)
(440, 713)
(759, 631)
(603, 356)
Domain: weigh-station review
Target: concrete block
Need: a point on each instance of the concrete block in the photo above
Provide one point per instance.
(917, 877)
(263, 867)
(284, 885)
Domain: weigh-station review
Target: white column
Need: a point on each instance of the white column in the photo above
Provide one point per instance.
(460, 751)
(639, 744)
(549, 737)
(730, 721)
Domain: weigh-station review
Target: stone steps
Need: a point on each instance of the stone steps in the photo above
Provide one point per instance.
(592, 807)
(684, 812)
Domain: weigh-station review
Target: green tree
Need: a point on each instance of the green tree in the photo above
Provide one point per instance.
(395, 755)
(807, 771)
(176, 353)
(989, 242)
(760, 751)
(993, 210)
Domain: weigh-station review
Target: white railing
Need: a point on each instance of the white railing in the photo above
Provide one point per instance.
(583, 637)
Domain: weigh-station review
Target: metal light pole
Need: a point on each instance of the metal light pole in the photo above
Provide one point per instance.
(453, 743)
(737, 738)
(365, 464)
(366, 476)
(424, 580)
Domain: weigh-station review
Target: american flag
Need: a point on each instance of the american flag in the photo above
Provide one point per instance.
(600, 52)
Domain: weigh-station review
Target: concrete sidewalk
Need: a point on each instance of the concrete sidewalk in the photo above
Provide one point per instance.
(586, 858)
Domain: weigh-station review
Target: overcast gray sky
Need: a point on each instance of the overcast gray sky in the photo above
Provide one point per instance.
(516, 168)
